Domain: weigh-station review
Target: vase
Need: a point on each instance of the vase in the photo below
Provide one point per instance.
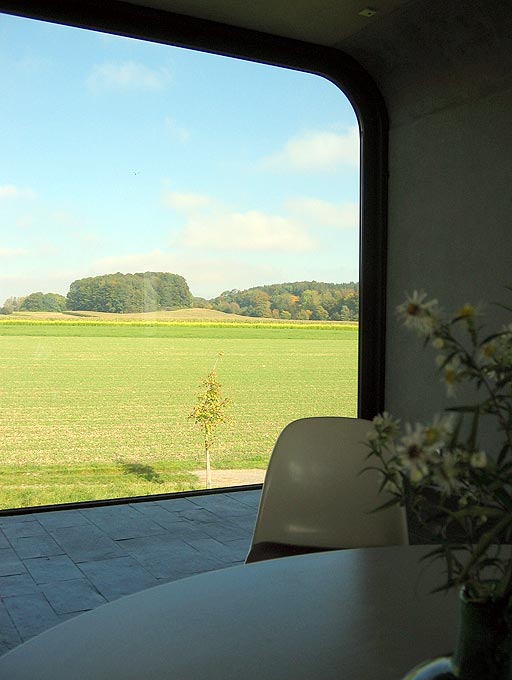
(483, 649)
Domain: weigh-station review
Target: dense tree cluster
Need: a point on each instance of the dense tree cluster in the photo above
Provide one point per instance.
(128, 293)
(299, 300)
(43, 302)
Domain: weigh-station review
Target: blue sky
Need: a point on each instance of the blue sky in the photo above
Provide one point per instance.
(121, 155)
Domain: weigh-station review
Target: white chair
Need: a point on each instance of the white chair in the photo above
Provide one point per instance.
(315, 496)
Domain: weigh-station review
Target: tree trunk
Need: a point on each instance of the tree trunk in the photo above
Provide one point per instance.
(208, 471)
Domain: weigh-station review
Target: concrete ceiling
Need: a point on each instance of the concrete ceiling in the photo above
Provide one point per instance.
(323, 22)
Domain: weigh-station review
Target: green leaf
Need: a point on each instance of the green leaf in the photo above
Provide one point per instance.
(503, 453)
(448, 358)
(504, 497)
(394, 501)
(435, 554)
(487, 539)
(375, 468)
(474, 431)
(456, 432)
(500, 304)
(464, 409)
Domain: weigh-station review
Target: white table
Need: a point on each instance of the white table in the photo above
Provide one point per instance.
(344, 615)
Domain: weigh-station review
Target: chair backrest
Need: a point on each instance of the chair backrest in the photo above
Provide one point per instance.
(315, 495)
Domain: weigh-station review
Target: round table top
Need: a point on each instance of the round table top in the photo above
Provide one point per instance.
(354, 614)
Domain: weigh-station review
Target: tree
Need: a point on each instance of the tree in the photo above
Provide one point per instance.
(128, 293)
(43, 302)
(33, 303)
(209, 413)
(260, 304)
(12, 304)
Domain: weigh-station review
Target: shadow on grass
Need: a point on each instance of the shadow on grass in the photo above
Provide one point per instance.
(146, 472)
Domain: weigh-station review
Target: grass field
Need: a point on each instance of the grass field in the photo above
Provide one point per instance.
(99, 410)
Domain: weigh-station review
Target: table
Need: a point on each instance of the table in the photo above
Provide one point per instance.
(350, 614)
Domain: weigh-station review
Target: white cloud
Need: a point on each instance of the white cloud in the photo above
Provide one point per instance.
(252, 231)
(211, 225)
(186, 202)
(323, 213)
(317, 150)
(13, 191)
(176, 131)
(12, 252)
(128, 75)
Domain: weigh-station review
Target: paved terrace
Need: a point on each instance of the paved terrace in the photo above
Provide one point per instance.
(54, 565)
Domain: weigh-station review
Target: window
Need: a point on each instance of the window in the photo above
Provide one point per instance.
(205, 214)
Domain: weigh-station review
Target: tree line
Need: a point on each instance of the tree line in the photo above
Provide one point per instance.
(300, 300)
(154, 291)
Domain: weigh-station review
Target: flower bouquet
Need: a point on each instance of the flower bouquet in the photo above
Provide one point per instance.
(458, 490)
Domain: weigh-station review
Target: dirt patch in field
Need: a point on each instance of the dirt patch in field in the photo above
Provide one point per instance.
(232, 477)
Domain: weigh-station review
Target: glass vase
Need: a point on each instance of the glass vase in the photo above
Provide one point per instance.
(483, 649)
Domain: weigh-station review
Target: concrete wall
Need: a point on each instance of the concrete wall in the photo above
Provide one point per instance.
(445, 70)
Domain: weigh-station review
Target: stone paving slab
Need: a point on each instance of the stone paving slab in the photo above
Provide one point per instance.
(58, 564)
(227, 553)
(176, 504)
(122, 521)
(245, 522)
(36, 546)
(72, 596)
(241, 546)
(200, 515)
(10, 563)
(31, 614)
(17, 584)
(5, 520)
(9, 636)
(86, 542)
(251, 498)
(158, 514)
(119, 576)
(62, 518)
(221, 505)
(224, 530)
(54, 568)
(4, 543)
(187, 529)
(23, 528)
(172, 569)
(169, 559)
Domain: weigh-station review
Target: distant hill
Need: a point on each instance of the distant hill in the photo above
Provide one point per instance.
(185, 314)
(299, 300)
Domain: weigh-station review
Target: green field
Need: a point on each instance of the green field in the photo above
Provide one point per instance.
(99, 410)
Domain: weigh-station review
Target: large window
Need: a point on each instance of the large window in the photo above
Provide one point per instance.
(165, 211)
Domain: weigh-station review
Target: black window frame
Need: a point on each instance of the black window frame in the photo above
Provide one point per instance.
(134, 21)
